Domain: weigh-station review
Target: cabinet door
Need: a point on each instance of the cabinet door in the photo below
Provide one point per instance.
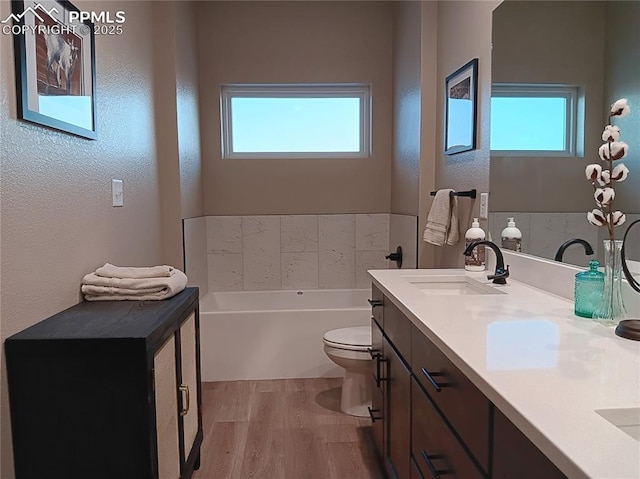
(189, 386)
(378, 373)
(164, 367)
(398, 406)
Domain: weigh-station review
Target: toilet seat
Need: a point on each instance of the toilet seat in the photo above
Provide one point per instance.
(352, 339)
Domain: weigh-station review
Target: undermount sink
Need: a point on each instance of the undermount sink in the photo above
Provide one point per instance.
(450, 285)
(627, 420)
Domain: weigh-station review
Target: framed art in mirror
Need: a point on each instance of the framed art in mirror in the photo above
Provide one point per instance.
(461, 109)
(55, 66)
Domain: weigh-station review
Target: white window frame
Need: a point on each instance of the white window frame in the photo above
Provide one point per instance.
(570, 92)
(361, 91)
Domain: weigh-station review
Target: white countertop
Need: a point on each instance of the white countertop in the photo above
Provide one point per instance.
(546, 369)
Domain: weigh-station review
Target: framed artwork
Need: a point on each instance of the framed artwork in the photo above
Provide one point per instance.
(55, 66)
(461, 109)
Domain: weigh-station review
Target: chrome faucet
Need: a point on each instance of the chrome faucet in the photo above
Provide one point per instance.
(501, 274)
(588, 250)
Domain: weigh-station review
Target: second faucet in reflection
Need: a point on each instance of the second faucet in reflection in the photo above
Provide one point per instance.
(588, 250)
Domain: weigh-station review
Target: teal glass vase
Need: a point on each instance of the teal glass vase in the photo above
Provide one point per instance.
(588, 290)
(611, 308)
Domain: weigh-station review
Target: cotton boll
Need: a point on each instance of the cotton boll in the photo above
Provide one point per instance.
(613, 151)
(620, 172)
(618, 218)
(593, 172)
(605, 178)
(611, 133)
(620, 108)
(604, 196)
(596, 218)
(618, 150)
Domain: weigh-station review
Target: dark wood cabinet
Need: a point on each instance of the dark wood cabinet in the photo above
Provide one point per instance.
(107, 390)
(398, 413)
(436, 449)
(515, 457)
(464, 406)
(435, 421)
(378, 385)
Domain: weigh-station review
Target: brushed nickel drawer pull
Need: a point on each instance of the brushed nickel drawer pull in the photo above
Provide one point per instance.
(185, 389)
(374, 302)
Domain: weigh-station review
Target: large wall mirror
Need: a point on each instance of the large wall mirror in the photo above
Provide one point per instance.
(563, 63)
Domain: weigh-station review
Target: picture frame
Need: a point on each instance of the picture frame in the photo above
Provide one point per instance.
(55, 66)
(461, 109)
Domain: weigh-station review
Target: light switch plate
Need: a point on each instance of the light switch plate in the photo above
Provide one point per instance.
(484, 206)
(117, 193)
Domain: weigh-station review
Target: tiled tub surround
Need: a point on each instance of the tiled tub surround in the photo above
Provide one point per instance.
(295, 251)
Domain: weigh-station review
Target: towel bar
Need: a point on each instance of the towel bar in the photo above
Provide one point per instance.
(470, 193)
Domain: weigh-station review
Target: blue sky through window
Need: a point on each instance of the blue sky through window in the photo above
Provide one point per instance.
(301, 125)
(531, 123)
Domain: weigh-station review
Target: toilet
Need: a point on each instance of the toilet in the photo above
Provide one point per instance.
(349, 349)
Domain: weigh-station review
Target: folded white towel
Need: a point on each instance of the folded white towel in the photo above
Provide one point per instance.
(111, 271)
(442, 221)
(99, 288)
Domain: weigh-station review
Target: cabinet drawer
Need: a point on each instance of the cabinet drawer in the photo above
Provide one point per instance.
(515, 457)
(397, 327)
(435, 449)
(464, 406)
(377, 303)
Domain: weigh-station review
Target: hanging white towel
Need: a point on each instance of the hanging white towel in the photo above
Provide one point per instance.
(442, 221)
(111, 271)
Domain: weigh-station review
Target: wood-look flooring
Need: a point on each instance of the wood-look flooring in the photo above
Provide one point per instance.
(283, 429)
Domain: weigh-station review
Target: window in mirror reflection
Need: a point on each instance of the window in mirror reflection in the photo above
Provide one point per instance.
(531, 120)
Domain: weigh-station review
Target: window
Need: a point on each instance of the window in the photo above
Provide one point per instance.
(295, 121)
(528, 120)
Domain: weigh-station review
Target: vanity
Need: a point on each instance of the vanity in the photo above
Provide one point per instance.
(474, 380)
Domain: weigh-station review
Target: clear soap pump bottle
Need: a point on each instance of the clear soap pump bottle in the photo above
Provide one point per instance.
(588, 290)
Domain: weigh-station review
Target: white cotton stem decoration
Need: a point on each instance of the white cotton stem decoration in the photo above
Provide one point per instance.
(612, 151)
(617, 218)
(604, 196)
(602, 177)
(620, 108)
(593, 172)
(597, 218)
(620, 173)
(611, 133)
(605, 178)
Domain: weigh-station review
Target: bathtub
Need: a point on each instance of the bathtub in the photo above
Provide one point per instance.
(274, 334)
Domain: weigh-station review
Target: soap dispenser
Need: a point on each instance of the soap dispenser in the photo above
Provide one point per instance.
(511, 236)
(589, 287)
(476, 260)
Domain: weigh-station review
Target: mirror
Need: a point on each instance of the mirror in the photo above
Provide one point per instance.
(591, 46)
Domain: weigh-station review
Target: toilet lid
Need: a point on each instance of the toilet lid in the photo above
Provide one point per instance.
(356, 338)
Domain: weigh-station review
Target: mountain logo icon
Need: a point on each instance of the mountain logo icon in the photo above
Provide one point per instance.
(17, 17)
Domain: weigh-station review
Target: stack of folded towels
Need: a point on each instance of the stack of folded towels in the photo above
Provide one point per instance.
(115, 283)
